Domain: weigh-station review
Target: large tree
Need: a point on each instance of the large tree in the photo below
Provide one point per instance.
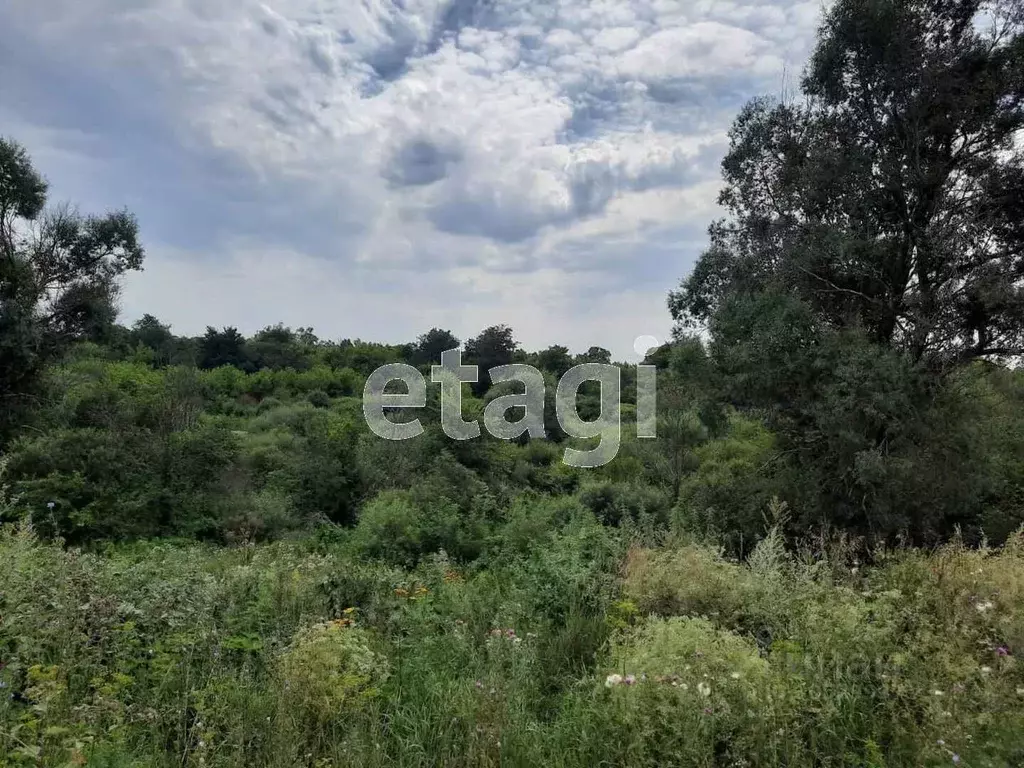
(892, 198)
(58, 278)
(874, 247)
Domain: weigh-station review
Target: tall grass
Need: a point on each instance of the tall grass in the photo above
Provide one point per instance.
(579, 652)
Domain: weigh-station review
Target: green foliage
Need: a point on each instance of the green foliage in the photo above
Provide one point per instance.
(158, 345)
(401, 529)
(595, 355)
(430, 345)
(493, 347)
(615, 503)
(738, 591)
(329, 672)
(555, 360)
(869, 257)
(277, 348)
(319, 399)
(99, 482)
(58, 279)
(725, 497)
(126, 484)
(277, 655)
(224, 347)
(325, 483)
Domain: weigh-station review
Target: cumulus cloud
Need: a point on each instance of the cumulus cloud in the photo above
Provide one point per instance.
(502, 136)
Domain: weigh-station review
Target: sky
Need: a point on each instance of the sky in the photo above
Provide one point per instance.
(376, 168)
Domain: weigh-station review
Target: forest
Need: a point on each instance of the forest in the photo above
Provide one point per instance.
(207, 558)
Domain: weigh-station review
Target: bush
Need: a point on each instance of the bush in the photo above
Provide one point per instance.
(101, 484)
(330, 673)
(264, 516)
(616, 503)
(395, 528)
(531, 520)
(686, 581)
(319, 399)
(726, 497)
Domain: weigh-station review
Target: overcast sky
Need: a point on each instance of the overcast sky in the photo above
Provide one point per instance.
(374, 168)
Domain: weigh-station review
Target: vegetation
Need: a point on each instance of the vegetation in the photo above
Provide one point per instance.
(207, 558)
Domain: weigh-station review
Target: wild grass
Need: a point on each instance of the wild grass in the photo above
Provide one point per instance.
(585, 650)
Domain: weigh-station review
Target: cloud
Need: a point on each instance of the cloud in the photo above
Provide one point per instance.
(503, 136)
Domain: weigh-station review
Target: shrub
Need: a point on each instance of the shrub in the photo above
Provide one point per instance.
(682, 692)
(686, 581)
(726, 497)
(265, 516)
(330, 673)
(319, 399)
(102, 484)
(398, 530)
(531, 520)
(616, 503)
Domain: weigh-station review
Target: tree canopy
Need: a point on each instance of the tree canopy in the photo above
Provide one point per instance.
(873, 250)
(58, 276)
(890, 199)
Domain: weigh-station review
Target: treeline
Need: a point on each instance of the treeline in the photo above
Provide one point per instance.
(278, 348)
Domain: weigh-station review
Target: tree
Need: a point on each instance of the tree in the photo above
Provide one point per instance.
(58, 278)
(874, 249)
(155, 336)
(431, 344)
(307, 337)
(224, 347)
(277, 347)
(493, 347)
(151, 332)
(892, 200)
(275, 333)
(595, 355)
(555, 360)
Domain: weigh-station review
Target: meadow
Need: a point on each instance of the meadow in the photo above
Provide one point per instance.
(574, 645)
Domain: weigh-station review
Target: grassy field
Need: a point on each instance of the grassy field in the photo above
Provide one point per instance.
(575, 645)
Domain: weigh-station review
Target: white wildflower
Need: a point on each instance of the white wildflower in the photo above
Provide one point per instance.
(612, 680)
